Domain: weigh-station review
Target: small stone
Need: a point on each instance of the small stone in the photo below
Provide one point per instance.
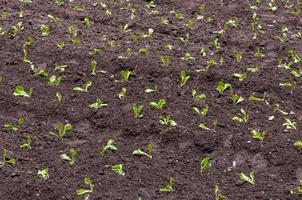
(271, 118)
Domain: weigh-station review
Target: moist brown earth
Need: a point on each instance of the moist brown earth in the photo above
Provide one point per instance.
(177, 151)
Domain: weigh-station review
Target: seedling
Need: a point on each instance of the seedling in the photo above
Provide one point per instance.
(61, 130)
(278, 109)
(60, 68)
(59, 96)
(122, 93)
(158, 105)
(169, 186)
(248, 178)
(109, 146)
(93, 65)
(139, 152)
(215, 44)
(167, 120)
(187, 57)
(203, 126)
(242, 117)
(59, 2)
(240, 76)
(254, 98)
(118, 168)
(83, 191)
(20, 91)
(205, 164)
(183, 78)
(201, 111)
(14, 127)
(43, 174)
(257, 134)
(297, 190)
(54, 18)
(87, 22)
(190, 24)
(238, 56)
(237, 99)
(151, 90)
(6, 158)
(165, 60)
(222, 86)
(27, 143)
(199, 97)
(85, 87)
(70, 156)
(54, 80)
(289, 124)
(44, 30)
(125, 75)
(98, 104)
(127, 54)
(298, 144)
(218, 195)
(137, 110)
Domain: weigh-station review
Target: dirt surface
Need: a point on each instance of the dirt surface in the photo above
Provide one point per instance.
(177, 150)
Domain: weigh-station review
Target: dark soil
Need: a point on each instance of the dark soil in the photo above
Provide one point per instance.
(177, 151)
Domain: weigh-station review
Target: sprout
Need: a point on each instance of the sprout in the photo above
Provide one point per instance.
(118, 168)
(83, 191)
(169, 186)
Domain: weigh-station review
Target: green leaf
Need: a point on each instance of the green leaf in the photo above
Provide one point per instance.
(169, 186)
(19, 91)
(222, 86)
(250, 178)
(118, 168)
(298, 144)
(82, 191)
(139, 152)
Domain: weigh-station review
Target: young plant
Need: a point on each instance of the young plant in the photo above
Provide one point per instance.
(167, 120)
(183, 78)
(165, 60)
(61, 130)
(158, 105)
(83, 191)
(238, 56)
(242, 117)
(257, 134)
(54, 80)
(137, 110)
(199, 97)
(298, 144)
(7, 158)
(151, 90)
(85, 87)
(222, 86)
(125, 75)
(20, 91)
(187, 57)
(240, 76)
(70, 156)
(218, 195)
(44, 30)
(203, 126)
(122, 93)
(27, 143)
(139, 152)
(201, 111)
(118, 168)
(93, 65)
(289, 124)
(98, 104)
(237, 99)
(109, 146)
(43, 174)
(59, 96)
(169, 186)
(248, 178)
(205, 164)
(60, 68)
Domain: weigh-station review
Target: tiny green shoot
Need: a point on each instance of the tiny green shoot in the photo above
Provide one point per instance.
(118, 168)
(250, 178)
(83, 191)
(169, 186)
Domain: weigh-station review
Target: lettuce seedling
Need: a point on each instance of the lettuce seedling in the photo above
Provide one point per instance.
(242, 117)
(158, 105)
(62, 130)
(27, 143)
(139, 152)
(218, 195)
(187, 57)
(43, 174)
(109, 146)
(20, 91)
(122, 93)
(277, 109)
(137, 110)
(38, 72)
(60, 68)
(98, 104)
(169, 186)
(54, 18)
(151, 90)
(205, 164)
(240, 76)
(203, 126)
(237, 99)
(6, 158)
(70, 156)
(248, 178)
(125, 75)
(256, 134)
(238, 56)
(54, 80)
(44, 30)
(60, 2)
(165, 60)
(85, 87)
(167, 120)
(199, 97)
(14, 127)
(298, 144)
(59, 96)
(83, 191)
(222, 86)
(289, 124)
(87, 22)
(118, 168)
(183, 78)
(297, 190)
(201, 111)
(93, 65)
